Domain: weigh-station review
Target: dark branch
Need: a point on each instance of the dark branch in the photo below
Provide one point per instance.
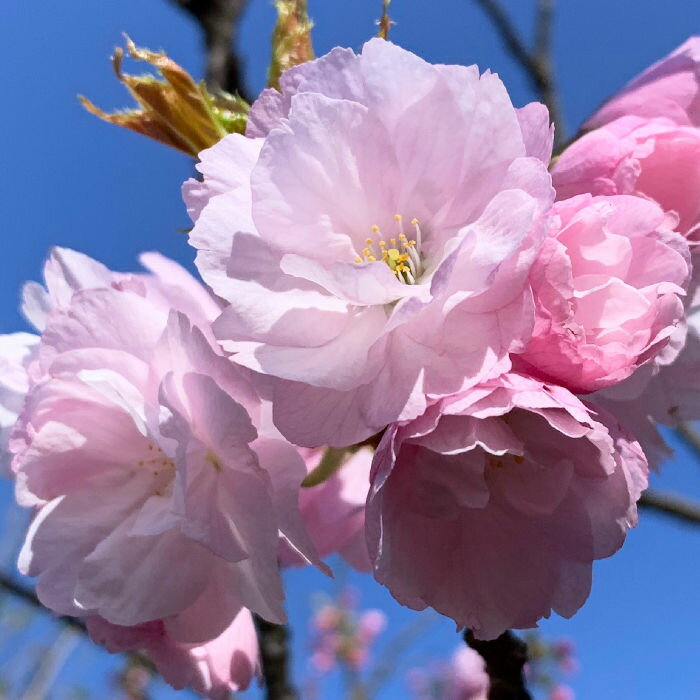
(671, 504)
(536, 64)
(219, 20)
(275, 659)
(505, 658)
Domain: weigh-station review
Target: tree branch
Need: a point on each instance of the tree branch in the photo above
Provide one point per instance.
(218, 20)
(671, 504)
(536, 63)
(274, 653)
(505, 658)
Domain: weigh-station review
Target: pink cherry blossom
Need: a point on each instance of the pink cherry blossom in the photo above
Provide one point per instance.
(608, 286)
(468, 679)
(464, 677)
(213, 668)
(333, 512)
(669, 88)
(138, 446)
(372, 236)
(342, 635)
(492, 507)
(652, 158)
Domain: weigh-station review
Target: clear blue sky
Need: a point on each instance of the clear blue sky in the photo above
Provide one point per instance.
(69, 179)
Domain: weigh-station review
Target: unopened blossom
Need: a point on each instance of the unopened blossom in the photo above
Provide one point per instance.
(669, 88)
(652, 158)
(333, 512)
(213, 668)
(138, 446)
(372, 236)
(492, 507)
(608, 285)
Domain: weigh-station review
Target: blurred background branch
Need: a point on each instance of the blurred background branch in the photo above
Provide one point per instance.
(671, 504)
(219, 20)
(274, 654)
(536, 62)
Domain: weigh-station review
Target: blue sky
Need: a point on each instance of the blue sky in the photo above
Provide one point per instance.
(69, 179)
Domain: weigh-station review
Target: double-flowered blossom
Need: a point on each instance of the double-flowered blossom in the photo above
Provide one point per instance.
(493, 505)
(608, 288)
(372, 236)
(647, 144)
(141, 429)
(161, 486)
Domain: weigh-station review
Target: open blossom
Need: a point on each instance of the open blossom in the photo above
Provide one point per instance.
(608, 288)
(372, 236)
(213, 669)
(333, 512)
(653, 158)
(492, 507)
(137, 443)
(669, 88)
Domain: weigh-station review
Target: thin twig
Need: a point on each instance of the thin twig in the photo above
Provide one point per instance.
(690, 436)
(505, 659)
(536, 63)
(394, 650)
(49, 664)
(219, 20)
(274, 652)
(671, 504)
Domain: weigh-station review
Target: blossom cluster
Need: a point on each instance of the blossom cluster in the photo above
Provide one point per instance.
(388, 263)
(342, 635)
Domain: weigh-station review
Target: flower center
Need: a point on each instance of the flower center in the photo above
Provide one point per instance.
(401, 254)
